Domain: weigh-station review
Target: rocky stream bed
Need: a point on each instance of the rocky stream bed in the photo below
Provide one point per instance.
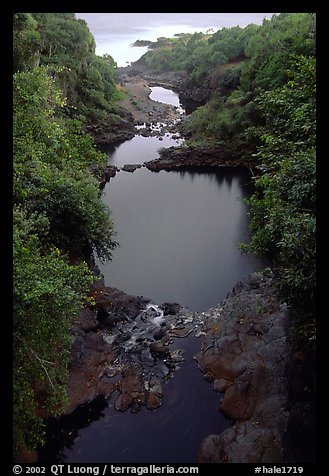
(123, 345)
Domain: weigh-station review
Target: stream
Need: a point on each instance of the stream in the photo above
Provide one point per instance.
(178, 234)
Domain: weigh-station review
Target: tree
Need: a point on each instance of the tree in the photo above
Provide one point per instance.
(47, 295)
(260, 57)
(65, 41)
(283, 217)
(270, 48)
(26, 41)
(58, 215)
(65, 45)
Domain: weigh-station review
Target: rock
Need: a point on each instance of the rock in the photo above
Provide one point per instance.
(170, 308)
(159, 334)
(123, 345)
(215, 365)
(131, 388)
(160, 347)
(154, 393)
(114, 306)
(131, 167)
(106, 386)
(212, 451)
(91, 353)
(77, 331)
(114, 128)
(241, 397)
(86, 320)
(152, 401)
(221, 384)
(89, 358)
(247, 444)
(103, 173)
(177, 356)
(173, 158)
(155, 387)
(245, 353)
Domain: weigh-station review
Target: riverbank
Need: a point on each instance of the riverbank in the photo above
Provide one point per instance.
(122, 352)
(136, 109)
(175, 158)
(126, 348)
(143, 110)
(246, 354)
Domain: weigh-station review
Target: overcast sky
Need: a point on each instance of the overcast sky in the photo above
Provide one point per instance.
(114, 32)
(100, 23)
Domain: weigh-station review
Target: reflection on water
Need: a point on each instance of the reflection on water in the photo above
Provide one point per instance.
(138, 150)
(62, 435)
(167, 96)
(179, 234)
(172, 433)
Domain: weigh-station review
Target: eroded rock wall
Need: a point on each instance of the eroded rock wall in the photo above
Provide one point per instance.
(246, 355)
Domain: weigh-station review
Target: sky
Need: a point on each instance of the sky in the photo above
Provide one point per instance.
(115, 32)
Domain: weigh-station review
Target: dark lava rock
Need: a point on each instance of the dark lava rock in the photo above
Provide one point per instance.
(90, 356)
(131, 167)
(123, 345)
(173, 158)
(160, 347)
(104, 173)
(170, 308)
(115, 127)
(132, 389)
(86, 320)
(246, 354)
(114, 306)
(91, 353)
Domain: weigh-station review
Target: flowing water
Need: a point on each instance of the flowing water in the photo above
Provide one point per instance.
(178, 235)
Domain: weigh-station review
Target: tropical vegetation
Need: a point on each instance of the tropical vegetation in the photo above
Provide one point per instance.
(59, 218)
(259, 100)
(259, 86)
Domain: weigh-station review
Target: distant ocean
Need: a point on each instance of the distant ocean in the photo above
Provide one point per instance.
(116, 32)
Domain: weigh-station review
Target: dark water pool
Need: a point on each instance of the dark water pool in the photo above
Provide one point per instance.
(170, 434)
(179, 234)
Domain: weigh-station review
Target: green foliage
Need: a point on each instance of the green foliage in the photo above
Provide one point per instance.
(270, 48)
(47, 295)
(235, 65)
(59, 219)
(41, 135)
(26, 41)
(283, 207)
(65, 41)
(79, 222)
(279, 107)
(199, 54)
(96, 89)
(228, 121)
(228, 78)
(65, 45)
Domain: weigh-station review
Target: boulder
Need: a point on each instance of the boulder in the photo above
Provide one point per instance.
(131, 167)
(246, 354)
(114, 305)
(246, 444)
(90, 356)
